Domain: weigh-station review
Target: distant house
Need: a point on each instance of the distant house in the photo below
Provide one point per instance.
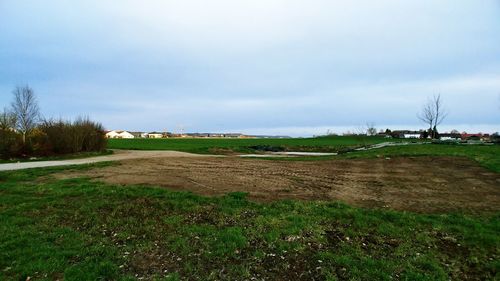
(137, 134)
(233, 135)
(486, 137)
(197, 135)
(155, 135)
(216, 135)
(478, 136)
(174, 135)
(412, 135)
(406, 134)
(381, 134)
(450, 137)
(119, 135)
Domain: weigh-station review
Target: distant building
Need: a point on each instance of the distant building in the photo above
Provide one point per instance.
(478, 136)
(155, 135)
(268, 137)
(231, 135)
(174, 135)
(197, 135)
(215, 135)
(117, 134)
(406, 134)
(450, 137)
(137, 134)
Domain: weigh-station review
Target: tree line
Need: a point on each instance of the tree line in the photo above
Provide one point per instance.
(24, 133)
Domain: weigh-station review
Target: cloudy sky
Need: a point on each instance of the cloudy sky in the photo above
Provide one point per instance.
(295, 67)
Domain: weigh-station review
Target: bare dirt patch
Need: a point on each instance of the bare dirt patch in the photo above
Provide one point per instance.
(421, 184)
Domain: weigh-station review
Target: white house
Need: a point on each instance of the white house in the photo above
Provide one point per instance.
(412, 135)
(450, 137)
(406, 134)
(155, 135)
(119, 135)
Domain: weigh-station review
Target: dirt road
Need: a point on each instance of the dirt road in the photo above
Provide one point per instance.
(118, 155)
(422, 184)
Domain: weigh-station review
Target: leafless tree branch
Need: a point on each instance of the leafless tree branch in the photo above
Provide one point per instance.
(433, 113)
(25, 108)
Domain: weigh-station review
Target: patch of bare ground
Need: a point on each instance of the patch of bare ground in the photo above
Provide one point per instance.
(420, 184)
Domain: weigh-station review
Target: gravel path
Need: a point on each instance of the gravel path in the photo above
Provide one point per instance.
(118, 155)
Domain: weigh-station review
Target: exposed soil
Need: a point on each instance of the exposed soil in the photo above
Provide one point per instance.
(421, 184)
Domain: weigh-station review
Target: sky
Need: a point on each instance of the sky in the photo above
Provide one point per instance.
(282, 67)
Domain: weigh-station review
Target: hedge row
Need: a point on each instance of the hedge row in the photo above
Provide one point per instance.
(54, 137)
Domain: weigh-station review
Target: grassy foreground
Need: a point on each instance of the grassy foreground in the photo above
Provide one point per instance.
(326, 144)
(81, 230)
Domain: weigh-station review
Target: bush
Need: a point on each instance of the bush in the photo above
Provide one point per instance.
(54, 137)
(495, 138)
(82, 135)
(10, 144)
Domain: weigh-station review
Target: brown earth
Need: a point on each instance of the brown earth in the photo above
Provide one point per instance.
(421, 184)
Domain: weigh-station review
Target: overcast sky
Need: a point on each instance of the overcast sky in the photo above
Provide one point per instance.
(295, 67)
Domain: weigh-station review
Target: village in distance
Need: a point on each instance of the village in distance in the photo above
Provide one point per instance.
(453, 136)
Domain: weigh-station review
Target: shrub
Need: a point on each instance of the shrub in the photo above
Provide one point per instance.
(82, 135)
(10, 144)
(54, 137)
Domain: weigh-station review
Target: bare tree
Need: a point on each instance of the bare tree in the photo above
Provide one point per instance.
(439, 111)
(7, 120)
(370, 129)
(427, 115)
(433, 114)
(363, 131)
(25, 109)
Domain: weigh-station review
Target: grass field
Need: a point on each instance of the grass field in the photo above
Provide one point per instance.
(78, 229)
(324, 144)
(487, 156)
(81, 230)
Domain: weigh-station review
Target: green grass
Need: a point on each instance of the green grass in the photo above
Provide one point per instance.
(76, 229)
(487, 156)
(324, 144)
